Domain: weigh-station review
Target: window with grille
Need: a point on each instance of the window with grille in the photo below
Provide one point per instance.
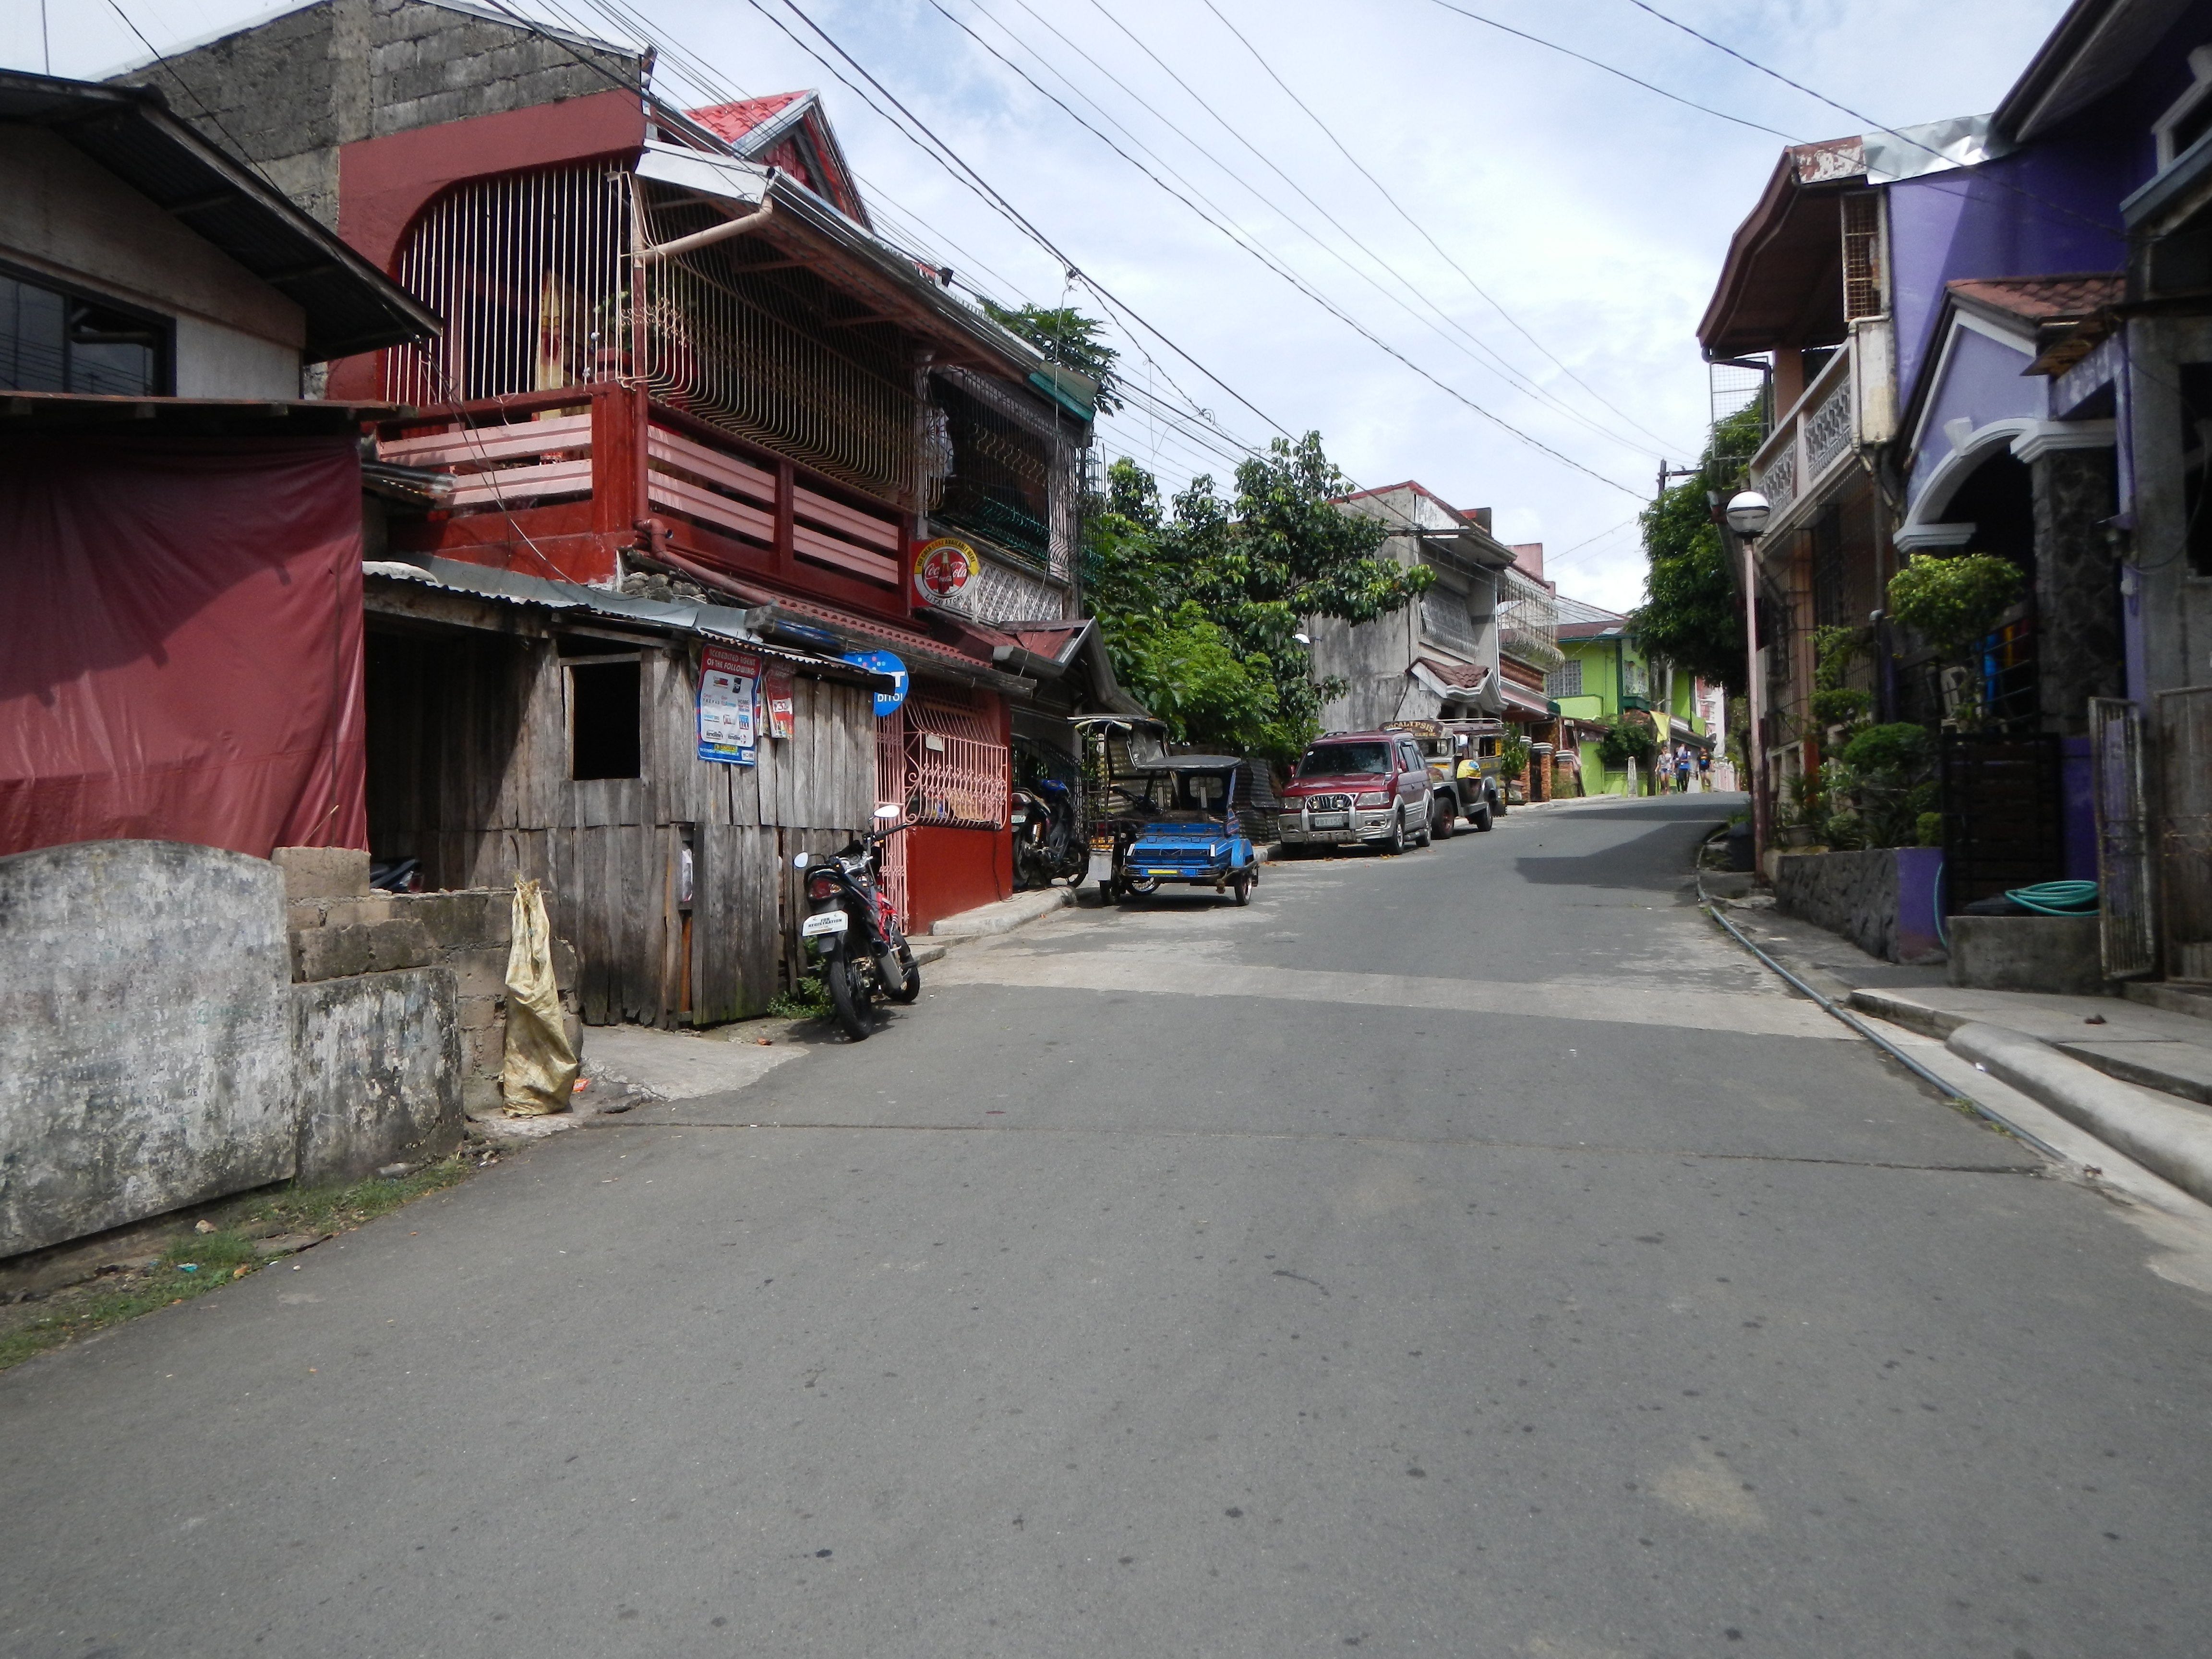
(1863, 279)
(1566, 680)
(999, 484)
(953, 768)
(1828, 570)
(527, 271)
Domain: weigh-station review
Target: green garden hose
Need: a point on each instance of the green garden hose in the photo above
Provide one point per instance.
(2057, 898)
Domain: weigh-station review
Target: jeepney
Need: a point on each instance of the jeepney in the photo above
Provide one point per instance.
(1462, 758)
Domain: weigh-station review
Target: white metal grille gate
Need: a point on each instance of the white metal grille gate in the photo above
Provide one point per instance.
(527, 271)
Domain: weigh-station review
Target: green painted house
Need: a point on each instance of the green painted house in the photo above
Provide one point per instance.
(1607, 674)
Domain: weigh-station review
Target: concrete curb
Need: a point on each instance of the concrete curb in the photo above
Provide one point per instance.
(1003, 916)
(2159, 1133)
(1911, 1013)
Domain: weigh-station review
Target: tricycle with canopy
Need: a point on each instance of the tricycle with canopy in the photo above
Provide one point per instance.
(1168, 819)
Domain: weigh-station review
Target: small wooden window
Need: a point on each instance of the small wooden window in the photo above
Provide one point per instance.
(1862, 276)
(604, 720)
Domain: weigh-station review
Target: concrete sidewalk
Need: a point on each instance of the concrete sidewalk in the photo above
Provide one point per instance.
(2168, 1052)
(2119, 1088)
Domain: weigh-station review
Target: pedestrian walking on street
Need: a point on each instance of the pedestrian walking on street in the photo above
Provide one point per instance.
(1682, 771)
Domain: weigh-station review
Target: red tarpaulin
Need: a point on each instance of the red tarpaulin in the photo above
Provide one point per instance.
(180, 642)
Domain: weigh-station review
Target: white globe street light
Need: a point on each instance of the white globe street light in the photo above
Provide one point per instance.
(1747, 514)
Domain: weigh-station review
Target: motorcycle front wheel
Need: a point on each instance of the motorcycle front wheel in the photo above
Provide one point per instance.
(848, 994)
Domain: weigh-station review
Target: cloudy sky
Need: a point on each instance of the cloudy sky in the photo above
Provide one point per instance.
(1533, 237)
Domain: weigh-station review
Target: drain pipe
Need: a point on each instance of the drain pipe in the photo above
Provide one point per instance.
(657, 251)
(1875, 1038)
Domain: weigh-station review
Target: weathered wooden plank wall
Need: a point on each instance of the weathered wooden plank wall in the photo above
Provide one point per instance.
(470, 772)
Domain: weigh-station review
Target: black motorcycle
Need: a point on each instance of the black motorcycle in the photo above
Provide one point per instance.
(1048, 841)
(855, 932)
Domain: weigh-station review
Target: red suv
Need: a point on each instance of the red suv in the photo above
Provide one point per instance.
(1355, 786)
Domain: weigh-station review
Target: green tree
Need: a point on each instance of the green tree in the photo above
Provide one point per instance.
(1952, 602)
(1692, 612)
(1068, 337)
(1220, 581)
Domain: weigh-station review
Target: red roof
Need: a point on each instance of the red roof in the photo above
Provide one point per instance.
(2044, 299)
(1464, 675)
(733, 121)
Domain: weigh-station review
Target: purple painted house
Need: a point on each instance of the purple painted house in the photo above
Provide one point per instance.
(1961, 359)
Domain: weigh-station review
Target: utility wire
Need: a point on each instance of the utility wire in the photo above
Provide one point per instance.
(1488, 356)
(1198, 428)
(967, 173)
(1218, 219)
(1383, 191)
(214, 120)
(1553, 45)
(952, 163)
(1864, 119)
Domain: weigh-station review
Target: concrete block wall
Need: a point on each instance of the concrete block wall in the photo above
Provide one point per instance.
(288, 92)
(178, 1024)
(377, 1072)
(145, 1054)
(338, 928)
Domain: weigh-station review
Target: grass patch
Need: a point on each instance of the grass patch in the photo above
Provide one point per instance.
(808, 999)
(198, 1262)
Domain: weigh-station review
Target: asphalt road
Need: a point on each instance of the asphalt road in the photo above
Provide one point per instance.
(1470, 1253)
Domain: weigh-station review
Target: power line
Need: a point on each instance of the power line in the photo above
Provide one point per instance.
(966, 173)
(214, 120)
(1489, 358)
(1866, 120)
(1383, 191)
(1218, 221)
(951, 160)
(1569, 52)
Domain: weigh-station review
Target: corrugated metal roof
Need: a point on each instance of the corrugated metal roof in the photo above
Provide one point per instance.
(715, 622)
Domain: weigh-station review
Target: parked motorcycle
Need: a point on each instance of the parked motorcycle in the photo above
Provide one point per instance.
(1048, 840)
(855, 932)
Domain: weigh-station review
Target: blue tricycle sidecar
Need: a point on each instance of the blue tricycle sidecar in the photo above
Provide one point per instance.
(1174, 820)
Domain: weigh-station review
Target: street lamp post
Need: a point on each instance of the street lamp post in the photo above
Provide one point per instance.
(1747, 514)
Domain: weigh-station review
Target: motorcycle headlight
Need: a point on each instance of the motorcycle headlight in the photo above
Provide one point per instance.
(1372, 798)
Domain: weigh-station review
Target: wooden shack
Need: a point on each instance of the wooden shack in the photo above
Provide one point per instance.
(519, 727)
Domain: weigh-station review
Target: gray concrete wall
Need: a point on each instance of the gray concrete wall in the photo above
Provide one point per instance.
(145, 1047)
(292, 90)
(1882, 900)
(378, 1078)
(2027, 953)
(155, 1051)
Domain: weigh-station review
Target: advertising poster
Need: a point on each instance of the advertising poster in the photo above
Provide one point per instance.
(729, 692)
(776, 692)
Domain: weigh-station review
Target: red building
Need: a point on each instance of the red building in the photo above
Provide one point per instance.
(679, 366)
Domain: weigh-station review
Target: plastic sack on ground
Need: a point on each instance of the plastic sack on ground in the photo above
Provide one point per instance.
(539, 1075)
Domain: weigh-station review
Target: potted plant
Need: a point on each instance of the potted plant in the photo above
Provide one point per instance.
(1953, 604)
(1513, 766)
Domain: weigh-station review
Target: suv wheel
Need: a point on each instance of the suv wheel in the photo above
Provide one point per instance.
(1427, 832)
(1396, 843)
